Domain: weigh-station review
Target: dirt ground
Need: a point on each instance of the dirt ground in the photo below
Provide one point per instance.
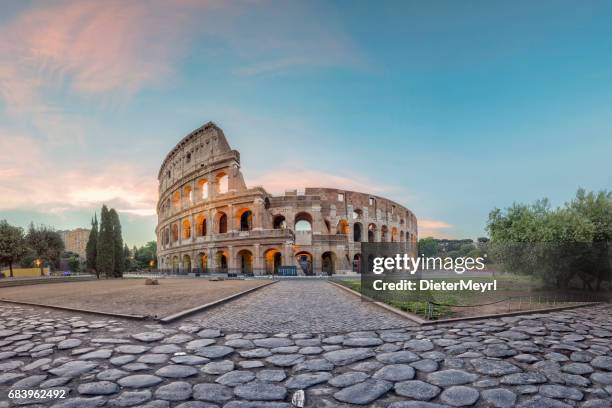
(130, 296)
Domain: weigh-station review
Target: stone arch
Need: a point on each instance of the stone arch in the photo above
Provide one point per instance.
(372, 232)
(401, 235)
(175, 232)
(200, 226)
(343, 227)
(328, 263)
(304, 261)
(203, 262)
(221, 222)
(188, 194)
(303, 222)
(175, 264)
(357, 232)
(357, 263)
(244, 218)
(222, 182)
(221, 261)
(186, 263)
(176, 200)
(279, 222)
(203, 187)
(186, 229)
(357, 214)
(273, 258)
(383, 233)
(245, 261)
(394, 234)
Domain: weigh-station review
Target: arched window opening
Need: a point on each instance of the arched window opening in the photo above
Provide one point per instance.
(371, 232)
(328, 226)
(304, 261)
(186, 263)
(343, 227)
(357, 232)
(393, 234)
(186, 229)
(222, 183)
(245, 260)
(203, 262)
(273, 261)
(328, 263)
(188, 194)
(357, 263)
(222, 223)
(303, 222)
(175, 232)
(279, 222)
(246, 221)
(200, 225)
(357, 214)
(176, 200)
(203, 187)
(221, 262)
(383, 233)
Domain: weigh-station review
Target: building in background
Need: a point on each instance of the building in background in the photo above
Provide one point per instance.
(75, 240)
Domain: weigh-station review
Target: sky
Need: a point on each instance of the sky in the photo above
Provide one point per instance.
(449, 108)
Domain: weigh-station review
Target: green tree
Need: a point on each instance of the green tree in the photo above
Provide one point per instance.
(105, 254)
(428, 246)
(119, 256)
(145, 254)
(12, 244)
(74, 263)
(46, 244)
(127, 258)
(92, 247)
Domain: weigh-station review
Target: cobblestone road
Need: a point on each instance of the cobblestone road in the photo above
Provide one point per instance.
(562, 359)
(297, 306)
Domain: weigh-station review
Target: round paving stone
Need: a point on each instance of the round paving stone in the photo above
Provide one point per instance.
(362, 342)
(499, 398)
(459, 396)
(153, 358)
(603, 362)
(122, 360)
(560, 391)
(212, 392)
(139, 381)
(209, 333)
(398, 357)
(271, 375)
(73, 368)
(602, 378)
(236, 377)
(68, 344)
(523, 379)
(416, 389)
(177, 371)
(303, 381)
(175, 391)
(98, 388)
(315, 364)
(446, 378)
(395, 372)
(213, 352)
(419, 345)
(285, 360)
(577, 368)
(348, 356)
(261, 391)
(189, 360)
(273, 342)
(148, 337)
(426, 365)
(131, 398)
(364, 392)
(348, 379)
(198, 344)
(112, 374)
(131, 349)
(218, 367)
(494, 368)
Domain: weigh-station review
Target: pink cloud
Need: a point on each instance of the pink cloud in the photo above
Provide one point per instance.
(32, 179)
(433, 224)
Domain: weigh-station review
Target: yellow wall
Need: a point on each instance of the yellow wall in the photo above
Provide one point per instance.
(22, 272)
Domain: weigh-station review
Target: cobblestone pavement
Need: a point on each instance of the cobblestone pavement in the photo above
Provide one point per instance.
(562, 359)
(297, 306)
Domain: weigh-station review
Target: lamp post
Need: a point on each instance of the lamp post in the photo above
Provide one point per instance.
(37, 262)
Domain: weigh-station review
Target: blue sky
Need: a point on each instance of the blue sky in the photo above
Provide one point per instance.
(450, 108)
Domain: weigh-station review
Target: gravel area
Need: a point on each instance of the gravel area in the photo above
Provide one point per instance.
(130, 296)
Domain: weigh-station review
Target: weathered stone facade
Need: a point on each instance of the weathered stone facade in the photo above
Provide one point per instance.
(208, 220)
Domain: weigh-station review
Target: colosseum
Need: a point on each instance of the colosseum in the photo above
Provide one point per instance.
(209, 221)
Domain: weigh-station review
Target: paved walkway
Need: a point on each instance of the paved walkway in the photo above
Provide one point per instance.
(298, 306)
(562, 359)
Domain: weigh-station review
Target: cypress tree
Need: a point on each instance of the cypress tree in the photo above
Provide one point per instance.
(119, 260)
(105, 256)
(92, 247)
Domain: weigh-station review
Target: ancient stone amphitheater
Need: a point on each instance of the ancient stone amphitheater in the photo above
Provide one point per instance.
(210, 222)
